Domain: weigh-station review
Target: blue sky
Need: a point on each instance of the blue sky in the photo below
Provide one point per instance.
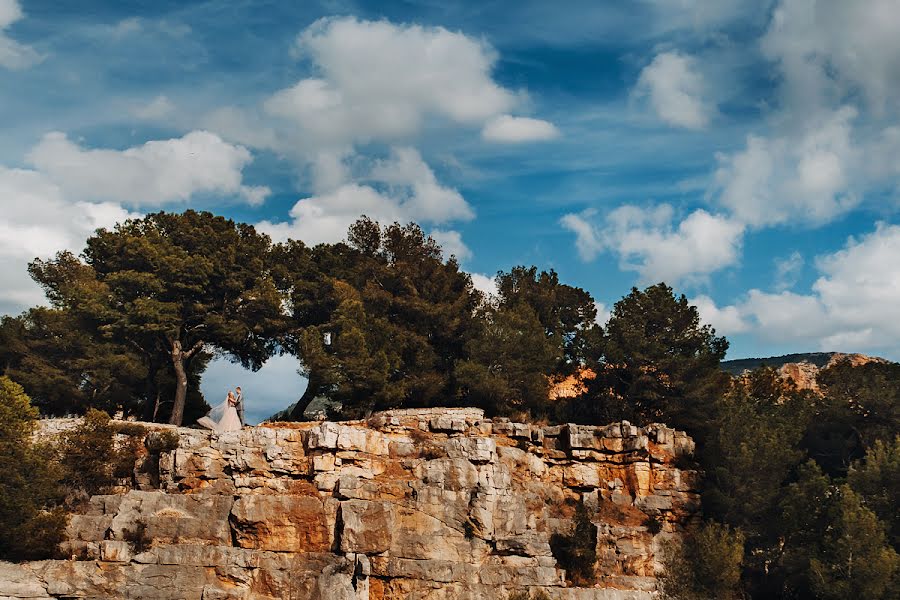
(746, 153)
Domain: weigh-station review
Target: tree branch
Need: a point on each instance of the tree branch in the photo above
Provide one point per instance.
(199, 345)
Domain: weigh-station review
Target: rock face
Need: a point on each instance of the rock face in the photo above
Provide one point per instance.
(432, 504)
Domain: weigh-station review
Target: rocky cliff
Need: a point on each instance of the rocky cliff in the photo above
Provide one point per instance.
(417, 504)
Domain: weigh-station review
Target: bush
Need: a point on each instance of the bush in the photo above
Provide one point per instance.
(30, 528)
(88, 453)
(577, 553)
(137, 538)
(707, 564)
(162, 441)
(135, 430)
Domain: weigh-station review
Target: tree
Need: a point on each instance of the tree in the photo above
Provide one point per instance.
(67, 368)
(508, 363)
(170, 285)
(377, 322)
(568, 314)
(29, 527)
(661, 364)
(877, 480)
(706, 564)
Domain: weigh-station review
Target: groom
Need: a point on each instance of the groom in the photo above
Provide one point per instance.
(239, 406)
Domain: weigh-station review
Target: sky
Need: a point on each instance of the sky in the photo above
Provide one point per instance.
(746, 153)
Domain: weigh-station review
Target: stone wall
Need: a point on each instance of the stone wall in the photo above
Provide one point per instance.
(418, 504)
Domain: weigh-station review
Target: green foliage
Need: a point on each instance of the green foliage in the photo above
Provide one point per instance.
(860, 405)
(168, 285)
(65, 367)
(88, 453)
(753, 448)
(30, 527)
(162, 441)
(659, 365)
(707, 564)
(378, 322)
(577, 552)
(509, 361)
(834, 546)
(877, 480)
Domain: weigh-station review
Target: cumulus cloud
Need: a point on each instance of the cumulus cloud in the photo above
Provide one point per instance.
(509, 129)
(155, 173)
(676, 91)
(369, 88)
(72, 191)
(452, 243)
(485, 284)
(647, 241)
(726, 320)
(830, 49)
(407, 191)
(854, 305)
(14, 55)
(38, 220)
(158, 108)
(807, 177)
(787, 270)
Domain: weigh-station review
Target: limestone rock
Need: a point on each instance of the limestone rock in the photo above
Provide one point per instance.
(428, 504)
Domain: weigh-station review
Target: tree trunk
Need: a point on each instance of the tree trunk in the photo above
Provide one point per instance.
(312, 389)
(151, 393)
(181, 383)
(179, 358)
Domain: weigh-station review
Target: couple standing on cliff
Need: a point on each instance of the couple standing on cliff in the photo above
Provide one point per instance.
(228, 416)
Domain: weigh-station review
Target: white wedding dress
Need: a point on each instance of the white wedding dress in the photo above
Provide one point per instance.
(223, 417)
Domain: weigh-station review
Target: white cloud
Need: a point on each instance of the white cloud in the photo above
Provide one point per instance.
(509, 129)
(787, 270)
(485, 284)
(156, 173)
(726, 320)
(854, 305)
(603, 314)
(647, 242)
(14, 55)
(803, 177)
(158, 108)
(676, 90)
(409, 191)
(378, 80)
(38, 221)
(71, 191)
(452, 243)
(829, 50)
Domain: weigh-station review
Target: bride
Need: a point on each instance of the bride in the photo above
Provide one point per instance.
(223, 417)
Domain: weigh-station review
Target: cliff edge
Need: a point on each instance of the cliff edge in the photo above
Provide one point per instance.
(433, 504)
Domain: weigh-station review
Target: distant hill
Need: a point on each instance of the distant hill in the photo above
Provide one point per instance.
(738, 366)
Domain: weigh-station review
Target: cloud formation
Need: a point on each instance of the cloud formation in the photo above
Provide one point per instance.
(676, 91)
(649, 242)
(407, 190)
(155, 173)
(510, 130)
(14, 55)
(70, 191)
(854, 303)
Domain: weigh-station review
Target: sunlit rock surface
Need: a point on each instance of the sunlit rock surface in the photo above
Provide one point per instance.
(421, 504)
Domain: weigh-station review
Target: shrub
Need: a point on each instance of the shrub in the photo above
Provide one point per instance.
(707, 564)
(88, 453)
(653, 525)
(577, 552)
(137, 538)
(29, 526)
(162, 441)
(135, 430)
